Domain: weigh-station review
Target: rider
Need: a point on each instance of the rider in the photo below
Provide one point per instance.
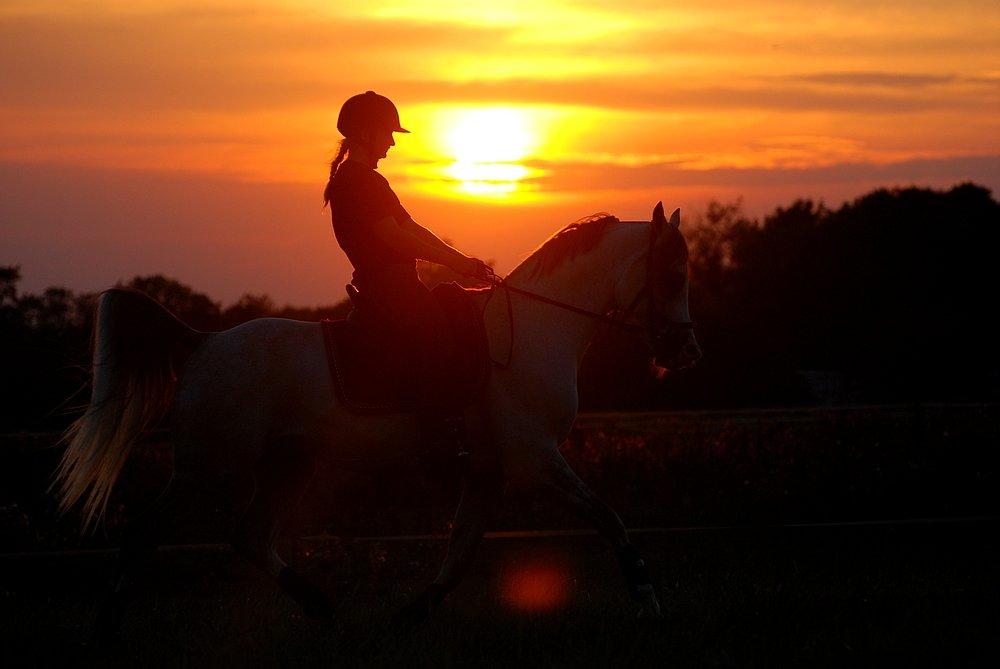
(379, 236)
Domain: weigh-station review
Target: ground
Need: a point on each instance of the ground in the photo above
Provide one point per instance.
(909, 594)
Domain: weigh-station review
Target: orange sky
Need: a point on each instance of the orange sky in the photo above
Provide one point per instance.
(192, 138)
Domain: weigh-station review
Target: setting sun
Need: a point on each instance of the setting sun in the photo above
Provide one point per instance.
(485, 153)
(486, 145)
(490, 135)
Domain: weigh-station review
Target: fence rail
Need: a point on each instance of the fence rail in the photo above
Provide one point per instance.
(644, 421)
(658, 469)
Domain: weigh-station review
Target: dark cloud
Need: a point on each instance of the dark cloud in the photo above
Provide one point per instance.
(880, 79)
(577, 176)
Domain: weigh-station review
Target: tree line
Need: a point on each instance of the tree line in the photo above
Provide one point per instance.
(888, 298)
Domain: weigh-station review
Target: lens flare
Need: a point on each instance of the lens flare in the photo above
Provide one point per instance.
(535, 587)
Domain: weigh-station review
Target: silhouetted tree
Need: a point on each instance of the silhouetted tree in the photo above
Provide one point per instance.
(10, 313)
(247, 308)
(891, 291)
(196, 309)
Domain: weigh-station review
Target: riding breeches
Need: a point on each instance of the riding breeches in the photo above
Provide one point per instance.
(412, 313)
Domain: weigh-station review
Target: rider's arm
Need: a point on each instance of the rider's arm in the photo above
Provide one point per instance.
(410, 243)
(427, 236)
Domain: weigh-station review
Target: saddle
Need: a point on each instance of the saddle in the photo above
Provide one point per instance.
(373, 369)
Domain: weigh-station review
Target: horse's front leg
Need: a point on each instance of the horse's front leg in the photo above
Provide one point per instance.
(481, 494)
(558, 478)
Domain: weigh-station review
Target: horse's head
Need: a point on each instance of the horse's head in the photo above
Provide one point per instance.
(659, 284)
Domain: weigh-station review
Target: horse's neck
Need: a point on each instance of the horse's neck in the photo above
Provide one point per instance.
(545, 334)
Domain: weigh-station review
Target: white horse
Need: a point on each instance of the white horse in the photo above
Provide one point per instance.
(259, 397)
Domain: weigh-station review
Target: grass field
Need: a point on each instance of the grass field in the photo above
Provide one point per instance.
(897, 595)
(919, 594)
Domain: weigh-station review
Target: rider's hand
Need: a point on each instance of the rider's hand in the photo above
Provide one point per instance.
(477, 268)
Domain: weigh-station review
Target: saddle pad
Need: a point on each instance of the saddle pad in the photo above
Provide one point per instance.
(373, 373)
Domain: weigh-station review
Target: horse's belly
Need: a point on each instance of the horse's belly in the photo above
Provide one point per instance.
(347, 437)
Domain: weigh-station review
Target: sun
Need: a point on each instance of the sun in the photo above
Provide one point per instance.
(483, 152)
(491, 135)
(486, 145)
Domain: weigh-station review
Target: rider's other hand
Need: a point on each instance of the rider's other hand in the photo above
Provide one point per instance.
(482, 270)
(477, 268)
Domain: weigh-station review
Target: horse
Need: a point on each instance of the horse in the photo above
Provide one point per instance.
(257, 398)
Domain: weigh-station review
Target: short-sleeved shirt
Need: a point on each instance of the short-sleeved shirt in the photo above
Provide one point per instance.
(359, 197)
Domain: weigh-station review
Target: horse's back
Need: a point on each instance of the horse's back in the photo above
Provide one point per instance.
(266, 379)
(242, 386)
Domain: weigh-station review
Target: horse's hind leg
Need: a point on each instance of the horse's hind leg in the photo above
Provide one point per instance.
(134, 555)
(281, 478)
(567, 487)
(141, 536)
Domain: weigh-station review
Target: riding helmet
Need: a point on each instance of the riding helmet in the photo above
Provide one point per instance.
(366, 111)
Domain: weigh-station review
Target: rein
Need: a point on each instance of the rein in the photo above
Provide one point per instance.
(610, 320)
(621, 323)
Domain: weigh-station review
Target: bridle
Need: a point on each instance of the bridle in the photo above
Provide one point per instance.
(657, 331)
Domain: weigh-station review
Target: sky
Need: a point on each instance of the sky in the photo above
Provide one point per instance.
(193, 139)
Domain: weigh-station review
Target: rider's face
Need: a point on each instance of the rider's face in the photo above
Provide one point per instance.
(379, 141)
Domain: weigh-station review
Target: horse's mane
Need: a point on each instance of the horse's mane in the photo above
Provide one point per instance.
(578, 237)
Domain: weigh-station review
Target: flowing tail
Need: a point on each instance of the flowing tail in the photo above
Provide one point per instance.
(138, 346)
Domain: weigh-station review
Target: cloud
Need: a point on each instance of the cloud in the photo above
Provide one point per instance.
(639, 93)
(211, 59)
(723, 42)
(581, 176)
(250, 88)
(241, 60)
(881, 79)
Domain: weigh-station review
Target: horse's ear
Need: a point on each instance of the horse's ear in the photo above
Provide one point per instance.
(675, 218)
(659, 220)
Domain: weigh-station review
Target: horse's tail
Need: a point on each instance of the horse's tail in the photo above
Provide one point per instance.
(138, 346)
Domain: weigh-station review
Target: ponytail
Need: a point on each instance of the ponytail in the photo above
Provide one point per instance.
(334, 164)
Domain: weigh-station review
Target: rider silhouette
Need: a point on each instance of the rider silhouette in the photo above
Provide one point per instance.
(382, 240)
